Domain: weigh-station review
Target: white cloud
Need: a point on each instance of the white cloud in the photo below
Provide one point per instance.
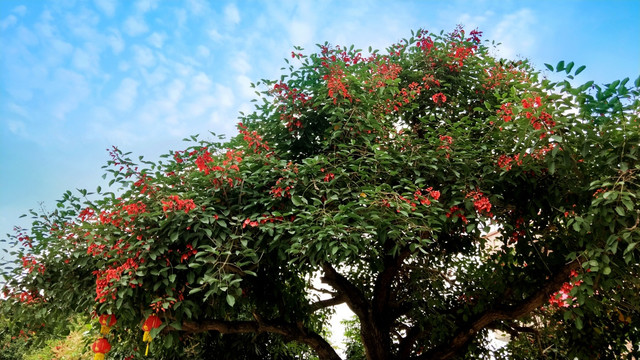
(156, 39)
(84, 60)
(301, 33)
(515, 31)
(143, 56)
(175, 91)
(199, 106)
(20, 10)
(17, 109)
(240, 63)
(203, 51)
(181, 17)
(244, 83)
(125, 96)
(200, 83)
(223, 96)
(66, 92)
(231, 14)
(124, 66)
(214, 35)
(159, 75)
(108, 7)
(17, 127)
(135, 26)
(26, 37)
(198, 7)
(114, 39)
(8, 21)
(146, 5)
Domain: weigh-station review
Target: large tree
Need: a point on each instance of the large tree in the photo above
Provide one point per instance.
(439, 192)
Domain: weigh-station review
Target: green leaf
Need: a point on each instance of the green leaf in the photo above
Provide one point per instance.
(231, 300)
(630, 247)
(560, 66)
(569, 67)
(549, 66)
(580, 69)
(296, 200)
(620, 210)
(195, 290)
(579, 324)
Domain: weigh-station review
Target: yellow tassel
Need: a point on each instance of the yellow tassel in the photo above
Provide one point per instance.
(146, 337)
(104, 330)
(98, 356)
(147, 351)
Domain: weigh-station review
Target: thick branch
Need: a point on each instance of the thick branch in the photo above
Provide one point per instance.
(524, 307)
(373, 339)
(292, 332)
(354, 297)
(340, 299)
(382, 290)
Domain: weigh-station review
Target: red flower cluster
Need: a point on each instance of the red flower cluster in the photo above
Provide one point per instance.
(335, 83)
(505, 112)
(439, 98)
(249, 222)
(481, 203)
(278, 191)
(175, 203)
(561, 297)
(424, 199)
(424, 42)
(30, 263)
(104, 278)
(189, 253)
(455, 210)
(253, 139)
(519, 232)
(501, 75)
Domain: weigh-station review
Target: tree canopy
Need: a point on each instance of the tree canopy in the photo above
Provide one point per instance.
(443, 194)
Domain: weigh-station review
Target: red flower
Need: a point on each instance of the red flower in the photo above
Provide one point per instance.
(439, 98)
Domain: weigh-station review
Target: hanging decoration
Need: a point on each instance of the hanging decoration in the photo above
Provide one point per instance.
(151, 323)
(100, 347)
(107, 321)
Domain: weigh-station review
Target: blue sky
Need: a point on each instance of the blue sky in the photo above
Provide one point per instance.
(79, 76)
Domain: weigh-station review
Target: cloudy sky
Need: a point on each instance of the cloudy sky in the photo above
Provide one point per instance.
(79, 76)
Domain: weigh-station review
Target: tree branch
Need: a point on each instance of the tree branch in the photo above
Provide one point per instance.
(293, 332)
(340, 299)
(522, 308)
(382, 290)
(373, 339)
(354, 297)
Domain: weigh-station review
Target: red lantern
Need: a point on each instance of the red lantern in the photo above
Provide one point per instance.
(107, 321)
(100, 347)
(152, 322)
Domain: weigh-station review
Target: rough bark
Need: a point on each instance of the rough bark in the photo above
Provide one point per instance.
(293, 332)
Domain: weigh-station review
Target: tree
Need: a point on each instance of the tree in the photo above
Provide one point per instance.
(439, 192)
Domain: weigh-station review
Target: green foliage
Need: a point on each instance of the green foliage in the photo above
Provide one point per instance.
(382, 174)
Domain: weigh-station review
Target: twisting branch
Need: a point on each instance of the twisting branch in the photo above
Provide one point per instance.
(513, 312)
(293, 332)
